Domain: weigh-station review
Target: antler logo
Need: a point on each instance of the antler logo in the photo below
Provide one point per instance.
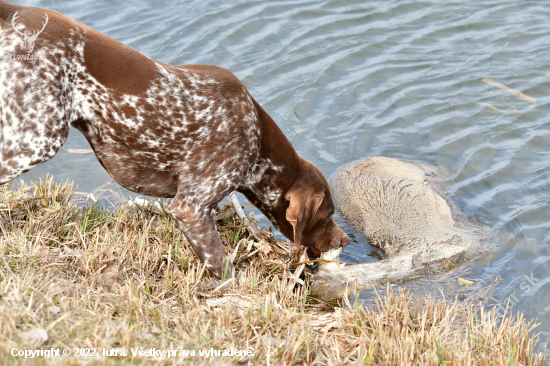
(28, 37)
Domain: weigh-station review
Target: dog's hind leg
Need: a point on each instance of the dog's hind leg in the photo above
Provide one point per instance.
(198, 225)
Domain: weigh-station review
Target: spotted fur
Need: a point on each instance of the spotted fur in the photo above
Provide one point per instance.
(192, 133)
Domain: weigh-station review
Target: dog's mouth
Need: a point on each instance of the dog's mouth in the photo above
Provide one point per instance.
(335, 244)
(314, 252)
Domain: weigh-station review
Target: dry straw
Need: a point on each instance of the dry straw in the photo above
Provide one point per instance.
(88, 277)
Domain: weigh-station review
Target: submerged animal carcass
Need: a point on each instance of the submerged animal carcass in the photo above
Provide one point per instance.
(400, 209)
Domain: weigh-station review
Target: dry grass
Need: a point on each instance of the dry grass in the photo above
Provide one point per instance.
(127, 279)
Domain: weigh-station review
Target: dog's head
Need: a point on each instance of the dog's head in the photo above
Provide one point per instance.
(310, 212)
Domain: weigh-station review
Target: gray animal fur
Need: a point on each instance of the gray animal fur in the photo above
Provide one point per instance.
(400, 210)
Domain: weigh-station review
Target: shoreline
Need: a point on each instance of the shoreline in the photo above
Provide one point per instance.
(86, 277)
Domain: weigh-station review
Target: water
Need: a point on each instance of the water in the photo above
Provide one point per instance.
(346, 80)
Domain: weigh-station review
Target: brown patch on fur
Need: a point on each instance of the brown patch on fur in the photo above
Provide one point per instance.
(118, 66)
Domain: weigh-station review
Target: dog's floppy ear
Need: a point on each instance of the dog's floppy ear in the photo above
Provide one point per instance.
(304, 203)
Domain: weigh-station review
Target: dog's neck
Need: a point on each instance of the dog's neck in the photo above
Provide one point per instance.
(273, 174)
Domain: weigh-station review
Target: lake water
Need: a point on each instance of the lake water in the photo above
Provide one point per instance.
(346, 80)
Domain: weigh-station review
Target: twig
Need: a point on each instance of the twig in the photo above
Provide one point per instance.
(223, 284)
(237, 206)
(321, 260)
(518, 94)
(199, 276)
(295, 278)
(241, 214)
(234, 254)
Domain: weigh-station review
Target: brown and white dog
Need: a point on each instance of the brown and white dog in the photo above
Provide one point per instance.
(192, 133)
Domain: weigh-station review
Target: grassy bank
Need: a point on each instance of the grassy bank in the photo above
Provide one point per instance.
(126, 280)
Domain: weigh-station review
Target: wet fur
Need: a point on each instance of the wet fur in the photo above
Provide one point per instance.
(398, 207)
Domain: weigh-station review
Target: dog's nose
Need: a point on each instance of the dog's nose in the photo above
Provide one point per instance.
(344, 241)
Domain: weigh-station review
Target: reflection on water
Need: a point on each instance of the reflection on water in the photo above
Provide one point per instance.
(375, 254)
(403, 79)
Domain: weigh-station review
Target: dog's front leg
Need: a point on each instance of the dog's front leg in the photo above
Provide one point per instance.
(198, 225)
